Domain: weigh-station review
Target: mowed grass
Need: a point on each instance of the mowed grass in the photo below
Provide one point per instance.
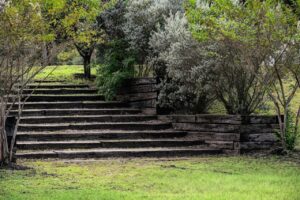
(63, 73)
(206, 178)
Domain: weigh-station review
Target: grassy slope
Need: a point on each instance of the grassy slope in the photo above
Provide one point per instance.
(199, 178)
(62, 73)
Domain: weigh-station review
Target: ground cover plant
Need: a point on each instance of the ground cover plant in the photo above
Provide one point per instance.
(207, 178)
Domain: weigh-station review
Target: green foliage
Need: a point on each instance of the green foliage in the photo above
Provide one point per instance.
(69, 57)
(118, 66)
(292, 132)
(76, 19)
(246, 40)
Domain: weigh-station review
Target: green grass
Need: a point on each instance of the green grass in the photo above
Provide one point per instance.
(63, 73)
(210, 178)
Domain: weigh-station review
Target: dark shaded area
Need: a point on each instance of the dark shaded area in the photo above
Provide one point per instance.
(10, 128)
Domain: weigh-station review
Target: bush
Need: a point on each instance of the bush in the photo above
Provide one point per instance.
(232, 62)
(141, 18)
(118, 66)
(177, 59)
(292, 132)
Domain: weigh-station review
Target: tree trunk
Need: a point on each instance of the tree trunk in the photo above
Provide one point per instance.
(86, 53)
(3, 141)
(1, 148)
(87, 66)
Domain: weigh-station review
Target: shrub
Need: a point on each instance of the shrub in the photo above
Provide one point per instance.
(292, 131)
(118, 66)
(230, 29)
(177, 59)
(257, 52)
(141, 18)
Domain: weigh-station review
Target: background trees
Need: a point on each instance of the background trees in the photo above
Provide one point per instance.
(75, 22)
(256, 52)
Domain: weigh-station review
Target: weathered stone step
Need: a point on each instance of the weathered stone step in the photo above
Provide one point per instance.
(64, 112)
(51, 98)
(118, 153)
(60, 91)
(86, 118)
(98, 135)
(72, 104)
(85, 144)
(91, 126)
(55, 86)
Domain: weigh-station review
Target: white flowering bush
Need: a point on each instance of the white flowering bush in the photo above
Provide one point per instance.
(2, 5)
(178, 60)
(141, 18)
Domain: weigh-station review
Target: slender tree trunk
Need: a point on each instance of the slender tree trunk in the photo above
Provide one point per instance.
(1, 148)
(87, 66)
(1, 133)
(3, 139)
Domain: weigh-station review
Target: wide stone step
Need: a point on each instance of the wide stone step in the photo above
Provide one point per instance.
(118, 153)
(72, 104)
(98, 135)
(86, 118)
(60, 91)
(64, 112)
(51, 98)
(55, 86)
(91, 126)
(86, 144)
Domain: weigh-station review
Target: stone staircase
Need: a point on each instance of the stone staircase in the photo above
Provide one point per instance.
(72, 121)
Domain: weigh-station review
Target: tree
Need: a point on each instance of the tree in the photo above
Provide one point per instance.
(23, 33)
(259, 39)
(118, 63)
(228, 28)
(75, 21)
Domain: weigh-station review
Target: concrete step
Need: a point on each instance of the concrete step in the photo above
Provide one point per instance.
(86, 118)
(151, 125)
(52, 98)
(118, 153)
(88, 144)
(55, 86)
(98, 135)
(61, 91)
(64, 112)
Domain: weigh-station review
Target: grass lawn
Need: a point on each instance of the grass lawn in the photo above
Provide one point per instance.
(63, 73)
(213, 178)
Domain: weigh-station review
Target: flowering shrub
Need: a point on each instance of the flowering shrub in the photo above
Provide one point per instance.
(178, 60)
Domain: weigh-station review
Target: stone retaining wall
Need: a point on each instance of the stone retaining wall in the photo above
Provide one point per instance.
(233, 134)
(140, 93)
(258, 133)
